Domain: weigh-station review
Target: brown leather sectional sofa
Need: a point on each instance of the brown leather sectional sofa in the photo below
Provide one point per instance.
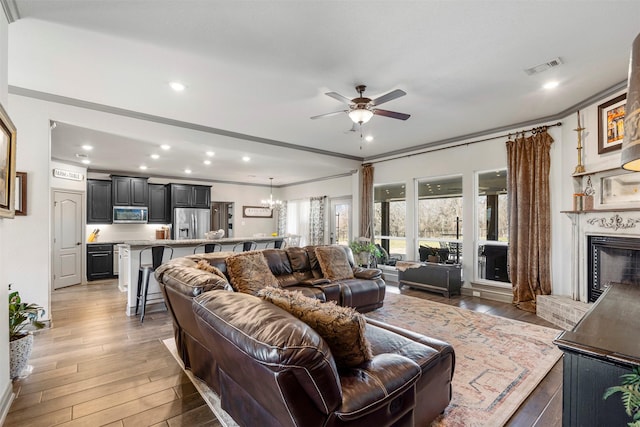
(271, 369)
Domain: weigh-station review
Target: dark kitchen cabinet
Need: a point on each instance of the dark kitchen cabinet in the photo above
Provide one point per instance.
(190, 196)
(129, 191)
(99, 261)
(99, 207)
(159, 212)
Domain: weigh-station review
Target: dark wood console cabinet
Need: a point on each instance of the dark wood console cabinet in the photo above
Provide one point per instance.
(600, 348)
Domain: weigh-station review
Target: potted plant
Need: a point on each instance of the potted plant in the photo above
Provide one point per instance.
(363, 249)
(630, 394)
(21, 317)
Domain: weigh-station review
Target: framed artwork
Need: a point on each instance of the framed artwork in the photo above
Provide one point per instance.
(21, 193)
(256, 212)
(611, 124)
(7, 165)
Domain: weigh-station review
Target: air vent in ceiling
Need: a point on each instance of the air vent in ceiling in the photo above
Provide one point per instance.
(543, 67)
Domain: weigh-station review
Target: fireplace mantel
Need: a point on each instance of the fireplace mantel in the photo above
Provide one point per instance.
(610, 222)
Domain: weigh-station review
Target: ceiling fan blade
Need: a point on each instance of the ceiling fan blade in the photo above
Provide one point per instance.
(335, 113)
(392, 114)
(388, 97)
(336, 95)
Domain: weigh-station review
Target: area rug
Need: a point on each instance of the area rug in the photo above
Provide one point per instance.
(499, 361)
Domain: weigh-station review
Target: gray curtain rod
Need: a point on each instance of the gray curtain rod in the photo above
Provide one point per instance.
(537, 129)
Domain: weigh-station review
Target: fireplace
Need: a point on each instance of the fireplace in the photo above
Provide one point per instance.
(611, 259)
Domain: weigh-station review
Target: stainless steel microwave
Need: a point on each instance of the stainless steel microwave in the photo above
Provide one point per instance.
(130, 215)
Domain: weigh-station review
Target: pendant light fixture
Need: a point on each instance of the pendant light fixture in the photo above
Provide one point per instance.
(270, 203)
(630, 157)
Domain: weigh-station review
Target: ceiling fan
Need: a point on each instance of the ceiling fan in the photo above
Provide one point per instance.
(361, 109)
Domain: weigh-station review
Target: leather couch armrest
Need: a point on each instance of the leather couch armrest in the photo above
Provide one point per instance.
(315, 282)
(367, 273)
(372, 385)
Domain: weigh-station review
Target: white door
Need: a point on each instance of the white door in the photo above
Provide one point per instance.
(340, 221)
(67, 239)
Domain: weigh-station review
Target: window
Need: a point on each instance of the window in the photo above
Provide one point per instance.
(390, 211)
(440, 219)
(493, 227)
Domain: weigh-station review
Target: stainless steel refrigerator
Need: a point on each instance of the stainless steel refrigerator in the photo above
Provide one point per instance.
(190, 223)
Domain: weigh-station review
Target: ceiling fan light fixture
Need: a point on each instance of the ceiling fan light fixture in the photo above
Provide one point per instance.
(360, 115)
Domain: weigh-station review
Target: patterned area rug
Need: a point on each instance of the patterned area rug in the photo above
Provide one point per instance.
(499, 361)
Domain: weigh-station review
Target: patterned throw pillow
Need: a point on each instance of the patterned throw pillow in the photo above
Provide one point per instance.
(249, 272)
(343, 328)
(334, 263)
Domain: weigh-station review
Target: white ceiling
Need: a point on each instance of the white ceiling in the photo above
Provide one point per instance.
(257, 70)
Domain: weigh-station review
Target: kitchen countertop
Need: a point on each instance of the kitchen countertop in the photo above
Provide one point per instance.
(191, 242)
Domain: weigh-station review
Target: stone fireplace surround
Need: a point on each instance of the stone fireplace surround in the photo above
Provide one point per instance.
(565, 312)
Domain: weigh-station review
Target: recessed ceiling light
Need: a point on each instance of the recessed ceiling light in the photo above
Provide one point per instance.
(177, 86)
(368, 138)
(86, 161)
(165, 147)
(155, 156)
(210, 153)
(207, 162)
(551, 85)
(187, 171)
(246, 158)
(143, 167)
(87, 147)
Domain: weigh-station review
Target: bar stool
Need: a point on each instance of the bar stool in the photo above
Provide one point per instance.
(208, 248)
(144, 273)
(245, 246)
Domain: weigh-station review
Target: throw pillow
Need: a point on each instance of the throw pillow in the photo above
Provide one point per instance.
(249, 272)
(343, 328)
(334, 263)
(204, 265)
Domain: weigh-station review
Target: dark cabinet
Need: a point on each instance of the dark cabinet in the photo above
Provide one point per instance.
(159, 212)
(99, 261)
(99, 207)
(600, 348)
(130, 191)
(190, 196)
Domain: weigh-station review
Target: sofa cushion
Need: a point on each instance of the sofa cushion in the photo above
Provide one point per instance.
(249, 272)
(204, 265)
(343, 328)
(334, 263)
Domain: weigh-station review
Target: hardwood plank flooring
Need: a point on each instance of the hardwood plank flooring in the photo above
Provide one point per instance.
(97, 366)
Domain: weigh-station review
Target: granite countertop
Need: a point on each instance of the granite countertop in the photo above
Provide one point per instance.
(191, 242)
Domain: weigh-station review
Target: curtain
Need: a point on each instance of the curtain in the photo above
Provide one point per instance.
(366, 202)
(529, 218)
(316, 220)
(298, 220)
(282, 218)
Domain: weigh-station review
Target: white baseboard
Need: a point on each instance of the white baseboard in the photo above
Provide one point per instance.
(5, 402)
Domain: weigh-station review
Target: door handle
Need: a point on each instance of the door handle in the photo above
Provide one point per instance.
(78, 243)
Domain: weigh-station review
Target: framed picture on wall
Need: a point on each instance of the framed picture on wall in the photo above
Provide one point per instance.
(7, 165)
(21, 193)
(611, 124)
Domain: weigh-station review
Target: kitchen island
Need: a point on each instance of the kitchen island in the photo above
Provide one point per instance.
(129, 261)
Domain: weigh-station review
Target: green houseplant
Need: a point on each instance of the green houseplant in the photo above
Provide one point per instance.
(22, 318)
(363, 249)
(630, 391)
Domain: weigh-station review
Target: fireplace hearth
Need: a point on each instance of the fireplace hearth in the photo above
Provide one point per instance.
(611, 259)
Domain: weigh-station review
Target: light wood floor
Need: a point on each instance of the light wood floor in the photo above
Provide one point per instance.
(96, 366)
